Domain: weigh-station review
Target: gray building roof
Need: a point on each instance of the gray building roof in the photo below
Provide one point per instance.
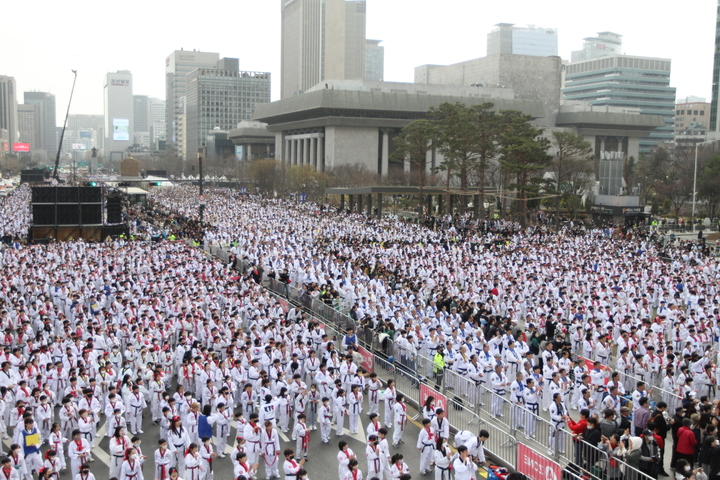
(251, 135)
(357, 107)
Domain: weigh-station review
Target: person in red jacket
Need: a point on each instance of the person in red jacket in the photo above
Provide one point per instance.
(686, 442)
(578, 429)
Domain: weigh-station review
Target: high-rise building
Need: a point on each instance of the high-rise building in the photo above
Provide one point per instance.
(634, 83)
(374, 61)
(157, 123)
(142, 122)
(716, 76)
(219, 98)
(8, 113)
(606, 43)
(321, 40)
(47, 136)
(119, 117)
(30, 127)
(530, 40)
(177, 65)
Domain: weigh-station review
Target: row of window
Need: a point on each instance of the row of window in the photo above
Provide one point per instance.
(690, 112)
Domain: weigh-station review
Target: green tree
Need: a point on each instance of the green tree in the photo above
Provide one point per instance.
(523, 152)
(572, 169)
(708, 185)
(455, 139)
(648, 173)
(485, 145)
(268, 175)
(414, 142)
(305, 179)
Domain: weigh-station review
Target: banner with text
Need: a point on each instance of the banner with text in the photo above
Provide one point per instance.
(368, 362)
(440, 399)
(537, 466)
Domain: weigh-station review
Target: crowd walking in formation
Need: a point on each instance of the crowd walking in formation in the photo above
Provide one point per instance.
(582, 325)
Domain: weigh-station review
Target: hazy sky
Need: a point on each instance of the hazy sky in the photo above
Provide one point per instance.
(43, 40)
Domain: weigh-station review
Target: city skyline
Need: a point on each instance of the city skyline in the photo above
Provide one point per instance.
(460, 37)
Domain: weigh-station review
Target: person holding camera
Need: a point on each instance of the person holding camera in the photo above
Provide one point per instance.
(650, 457)
(615, 450)
(684, 471)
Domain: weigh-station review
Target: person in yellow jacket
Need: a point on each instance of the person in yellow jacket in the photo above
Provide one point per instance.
(438, 367)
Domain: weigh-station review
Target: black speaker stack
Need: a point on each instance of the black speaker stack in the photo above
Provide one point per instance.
(114, 209)
(63, 213)
(67, 206)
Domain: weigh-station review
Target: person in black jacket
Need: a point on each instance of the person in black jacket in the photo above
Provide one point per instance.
(662, 427)
(624, 419)
(714, 456)
(592, 438)
(650, 462)
(676, 424)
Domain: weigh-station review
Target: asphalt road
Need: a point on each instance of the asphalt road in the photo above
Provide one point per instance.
(322, 463)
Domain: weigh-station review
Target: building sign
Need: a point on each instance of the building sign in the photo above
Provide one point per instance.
(616, 211)
(536, 466)
(79, 146)
(119, 82)
(21, 147)
(612, 155)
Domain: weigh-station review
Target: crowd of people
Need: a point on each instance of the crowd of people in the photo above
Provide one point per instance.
(105, 334)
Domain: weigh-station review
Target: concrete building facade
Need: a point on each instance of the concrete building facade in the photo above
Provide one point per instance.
(30, 127)
(374, 61)
(531, 40)
(531, 78)
(177, 65)
(141, 125)
(628, 82)
(118, 113)
(606, 43)
(692, 118)
(354, 122)
(219, 98)
(321, 39)
(47, 136)
(8, 113)
(157, 123)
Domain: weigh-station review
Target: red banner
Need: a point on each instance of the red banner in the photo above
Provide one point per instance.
(536, 466)
(284, 305)
(440, 399)
(368, 362)
(590, 365)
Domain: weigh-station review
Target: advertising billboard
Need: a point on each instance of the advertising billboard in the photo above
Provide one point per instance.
(21, 147)
(121, 129)
(85, 134)
(79, 146)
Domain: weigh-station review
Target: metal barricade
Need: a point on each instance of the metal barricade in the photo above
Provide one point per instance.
(500, 444)
(630, 383)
